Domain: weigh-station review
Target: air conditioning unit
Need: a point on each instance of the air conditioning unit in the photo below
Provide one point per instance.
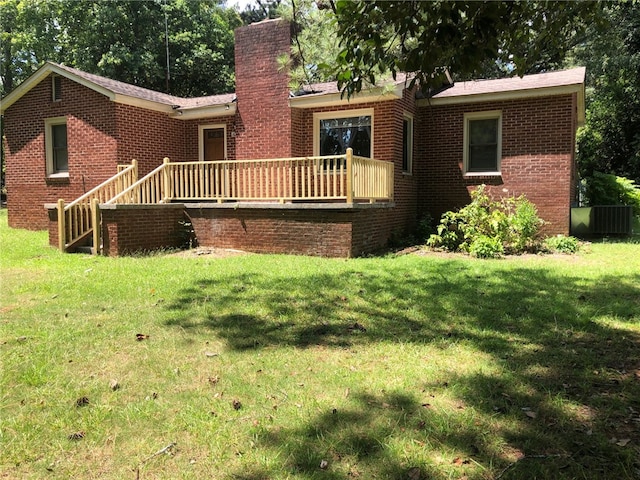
(602, 220)
(612, 220)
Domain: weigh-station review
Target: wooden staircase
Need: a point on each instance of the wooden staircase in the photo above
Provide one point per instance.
(78, 219)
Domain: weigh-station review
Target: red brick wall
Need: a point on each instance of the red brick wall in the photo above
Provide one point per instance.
(320, 233)
(387, 146)
(191, 132)
(538, 144)
(131, 229)
(148, 136)
(328, 233)
(91, 147)
(263, 118)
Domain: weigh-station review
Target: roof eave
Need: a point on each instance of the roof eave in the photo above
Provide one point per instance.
(42, 73)
(335, 99)
(504, 95)
(208, 111)
(139, 102)
(577, 88)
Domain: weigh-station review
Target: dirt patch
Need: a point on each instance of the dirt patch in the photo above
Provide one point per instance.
(209, 252)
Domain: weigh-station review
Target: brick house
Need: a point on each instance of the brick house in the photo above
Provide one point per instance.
(66, 131)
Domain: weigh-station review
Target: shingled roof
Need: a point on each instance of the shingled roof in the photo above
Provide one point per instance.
(560, 78)
(122, 92)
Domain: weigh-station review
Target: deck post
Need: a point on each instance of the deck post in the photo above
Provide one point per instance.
(62, 240)
(95, 222)
(349, 175)
(166, 186)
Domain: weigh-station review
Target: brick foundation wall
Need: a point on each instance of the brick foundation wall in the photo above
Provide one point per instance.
(331, 232)
(91, 149)
(538, 144)
(128, 229)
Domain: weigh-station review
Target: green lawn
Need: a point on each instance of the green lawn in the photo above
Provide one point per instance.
(284, 367)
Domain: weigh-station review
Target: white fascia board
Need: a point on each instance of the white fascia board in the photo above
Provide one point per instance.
(377, 94)
(138, 102)
(500, 96)
(212, 111)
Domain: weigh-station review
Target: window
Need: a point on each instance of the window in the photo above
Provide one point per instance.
(407, 144)
(56, 146)
(337, 131)
(482, 143)
(56, 88)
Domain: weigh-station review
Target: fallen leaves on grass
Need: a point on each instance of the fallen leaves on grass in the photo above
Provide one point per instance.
(76, 436)
(82, 402)
(141, 336)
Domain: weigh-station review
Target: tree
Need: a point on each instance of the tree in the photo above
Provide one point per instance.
(28, 35)
(425, 38)
(123, 40)
(260, 10)
(610, 141)
(315, 43)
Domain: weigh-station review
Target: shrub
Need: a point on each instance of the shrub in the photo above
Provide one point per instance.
(425, 228)
(511, 222)
(486, 247)
(607, 189)
(561, 244)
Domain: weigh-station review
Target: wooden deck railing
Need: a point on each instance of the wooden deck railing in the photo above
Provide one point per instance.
(340, 177)
(76, 219)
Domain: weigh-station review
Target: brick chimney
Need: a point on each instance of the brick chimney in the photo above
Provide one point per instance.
(263, 118)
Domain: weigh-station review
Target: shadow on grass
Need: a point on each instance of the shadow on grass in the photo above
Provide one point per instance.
(571, 383)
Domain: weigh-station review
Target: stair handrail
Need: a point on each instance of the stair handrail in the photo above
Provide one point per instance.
(147, 179)
(94, 192)
(77, 218)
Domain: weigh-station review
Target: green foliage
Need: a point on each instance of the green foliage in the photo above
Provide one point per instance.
(478, 228)
(608, 189)
(610, 140)
(424, 38)
(486, 247)
(123, 40)
(561, 244)
(315, 43)
(385, 368)
(425, 228)
(259, 10)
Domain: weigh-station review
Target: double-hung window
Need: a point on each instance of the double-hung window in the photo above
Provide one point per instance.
(57, 156)
(482, 143)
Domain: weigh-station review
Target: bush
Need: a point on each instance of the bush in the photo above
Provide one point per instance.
(486, 247)
(607, 189)
(478, 228)
(561, 244)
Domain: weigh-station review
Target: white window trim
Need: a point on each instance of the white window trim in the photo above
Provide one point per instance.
(487, 115)
(48, 139)
(339, 114)
(201, 129)
(409, 117)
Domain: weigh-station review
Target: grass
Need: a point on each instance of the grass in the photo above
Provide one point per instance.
(265, 367)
